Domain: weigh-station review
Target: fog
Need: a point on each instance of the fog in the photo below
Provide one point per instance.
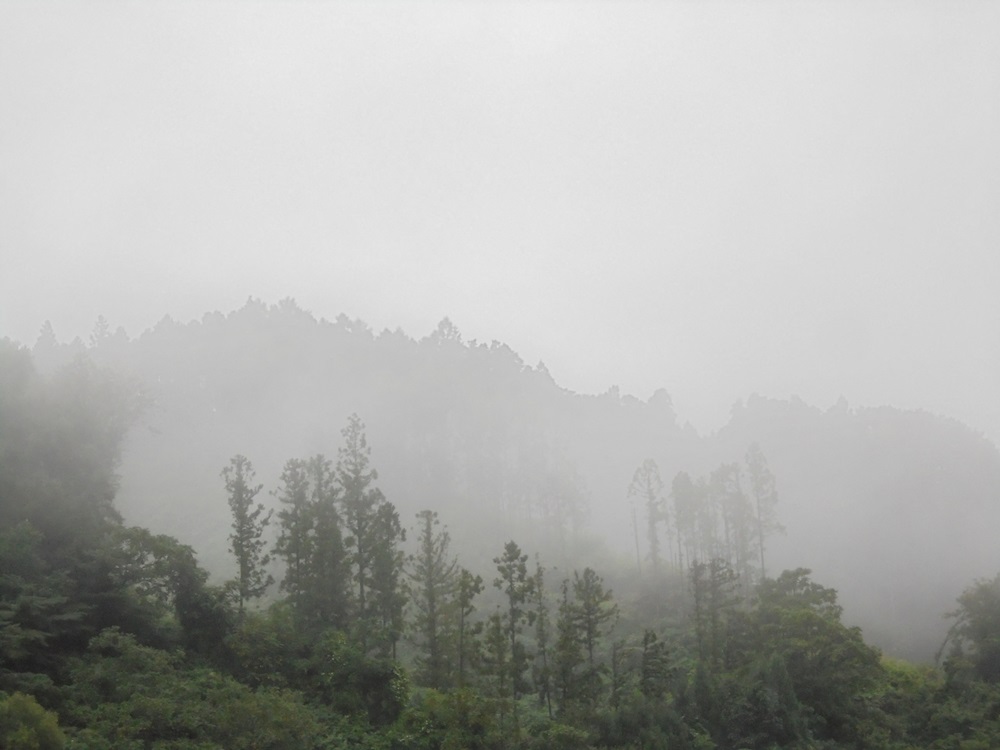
(782, 214)
(718, 199)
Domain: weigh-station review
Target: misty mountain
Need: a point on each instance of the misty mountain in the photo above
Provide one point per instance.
(896, 509)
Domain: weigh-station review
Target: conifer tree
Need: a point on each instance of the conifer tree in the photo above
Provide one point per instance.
(359, 501)
(765, 497)
(246, 540)
(568, 655)
(655, 670)
(469, 587)
(497, 664)
(595, 608)
(542, 673)
(388, 596)
(433, 577)
(294, 540)
(647, 489)
(328, 571)
(713, 589)
(517, 587)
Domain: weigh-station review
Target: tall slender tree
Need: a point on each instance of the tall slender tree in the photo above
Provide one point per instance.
(388, 596)
(542, 673)
(328, 572)
(713, 587)
(568, 655)
(247, 538)
(647, 489)
(469, 587)
(517, 587)
(595, 609)
(295, 538)
(763, 491)
(432, 575)
(359, 501)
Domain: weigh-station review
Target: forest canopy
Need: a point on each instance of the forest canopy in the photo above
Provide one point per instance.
(346, 624)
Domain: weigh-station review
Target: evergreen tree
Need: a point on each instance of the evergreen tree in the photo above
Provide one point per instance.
(388, 597)
(765, 498)
(433, 577)
(569, 658)
(713, 591)
(359, 501)
(497, 665)
(247, 538)
(595, 608)
(469, 587)
(736, 515)
(542, 673)
(686, 501)
(328, 570)
(517, 587)
(295, 539)
(655, 675)
(647, 488)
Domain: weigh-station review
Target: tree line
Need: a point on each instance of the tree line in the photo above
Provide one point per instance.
(113, 636)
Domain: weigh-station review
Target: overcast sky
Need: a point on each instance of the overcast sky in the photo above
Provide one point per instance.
(716, 198)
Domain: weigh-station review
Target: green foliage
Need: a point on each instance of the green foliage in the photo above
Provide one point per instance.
(296, 522)
(25, 725)
(311, 544)
(467, 631)
(372, 541)
(130, 695)
(180, 671)
(267, 649)
(166, 582)
(975, 635)
(762, 711)
(433, 575)
(247, 538)
(457, 720)
(36, 612)
(328, 599)
(351, 682)
(713, 591)
(569, 653)
(830, 666)
(59, 447)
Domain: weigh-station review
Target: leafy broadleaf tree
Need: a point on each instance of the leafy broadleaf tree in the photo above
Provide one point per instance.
(829, 664)
(247, 538)
(975, 634)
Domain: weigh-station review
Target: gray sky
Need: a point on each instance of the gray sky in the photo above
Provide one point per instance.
(716, 198)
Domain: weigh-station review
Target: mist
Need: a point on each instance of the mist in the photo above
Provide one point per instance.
(718, 200)
(656, 290)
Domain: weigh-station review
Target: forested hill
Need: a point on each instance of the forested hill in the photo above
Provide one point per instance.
(895, 509)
